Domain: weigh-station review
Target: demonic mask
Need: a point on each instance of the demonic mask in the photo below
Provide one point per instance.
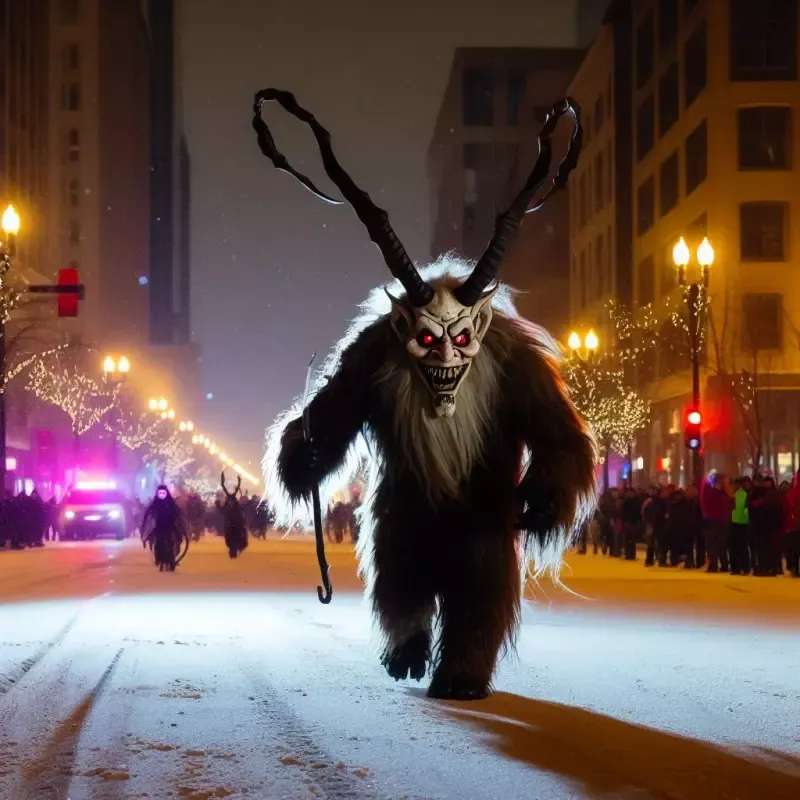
(442, 338)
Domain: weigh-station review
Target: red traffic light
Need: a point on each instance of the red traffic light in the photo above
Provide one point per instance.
(68, 303)
(694, 418)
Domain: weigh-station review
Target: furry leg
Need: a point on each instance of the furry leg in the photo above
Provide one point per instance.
(403, 601)
(479, 613)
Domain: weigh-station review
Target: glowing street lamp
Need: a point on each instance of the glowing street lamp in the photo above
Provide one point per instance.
(124, 365)
(10, 221)
(681, 256)
(588, 343)
(109, 365)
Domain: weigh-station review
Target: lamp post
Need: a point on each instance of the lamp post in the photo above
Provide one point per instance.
(115, 369)
(10, 225)
(696, 291)
(583, 348)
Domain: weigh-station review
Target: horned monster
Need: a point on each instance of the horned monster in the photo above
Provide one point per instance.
(480, 468)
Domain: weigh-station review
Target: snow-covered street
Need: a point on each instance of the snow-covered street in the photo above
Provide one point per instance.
(229, 679)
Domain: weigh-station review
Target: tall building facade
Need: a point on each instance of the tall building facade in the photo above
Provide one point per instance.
(169, 184)
(485, 118)
(712, 105)
(600, 200)
(24, 111)
(99, 162)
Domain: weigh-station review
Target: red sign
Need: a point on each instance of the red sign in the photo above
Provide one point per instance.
(68, 303)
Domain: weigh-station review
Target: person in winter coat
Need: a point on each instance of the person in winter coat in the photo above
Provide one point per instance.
(740, 520)
(791, 535)
(716, 504)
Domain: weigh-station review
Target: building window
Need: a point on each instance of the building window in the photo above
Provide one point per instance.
(762, 231)
(762, 318)
(668, 99)
(610, 177)
(600, 266)
(74, 231)
(667, 24)
(70, 97)
(599, 173)
(647, 282)
(763, 40)
(587, 129)
(70, 11)
(478, 97)
(583, 213)
(582, 279)
(645, 128)
(70, 58)
(645, 43)
(668, 184)
(695, 64)
(74, 195)
(765, 138)
(74, 145)
(696, 157)
(645, 206)
(689, 6)
(599, 114)
(515, 88)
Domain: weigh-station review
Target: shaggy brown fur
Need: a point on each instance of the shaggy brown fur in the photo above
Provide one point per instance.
(446, 499)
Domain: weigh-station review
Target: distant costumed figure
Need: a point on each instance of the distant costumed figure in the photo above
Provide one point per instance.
(234, 525)
(480, 469)
(163, 529)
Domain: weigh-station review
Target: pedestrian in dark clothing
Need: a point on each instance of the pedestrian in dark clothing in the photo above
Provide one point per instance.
(716, 503)
(631, 515)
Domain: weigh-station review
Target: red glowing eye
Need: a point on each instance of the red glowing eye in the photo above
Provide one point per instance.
(426, 339)
(462, 339)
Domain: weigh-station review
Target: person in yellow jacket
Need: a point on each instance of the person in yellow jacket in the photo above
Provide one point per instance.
(740, 520)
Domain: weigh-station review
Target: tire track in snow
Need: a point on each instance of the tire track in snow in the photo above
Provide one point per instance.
(11, 680)
(49, 777)
(324, 775)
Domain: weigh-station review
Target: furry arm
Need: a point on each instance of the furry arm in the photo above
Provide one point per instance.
(559, 481)
(337, 414)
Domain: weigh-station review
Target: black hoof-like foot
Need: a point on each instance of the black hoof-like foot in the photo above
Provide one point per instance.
(458, 687)
(408, 660)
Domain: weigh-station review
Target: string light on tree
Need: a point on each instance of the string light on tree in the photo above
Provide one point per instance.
(67, 387)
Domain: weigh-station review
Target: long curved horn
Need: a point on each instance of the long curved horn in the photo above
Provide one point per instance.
(508, 223)
(374, 219)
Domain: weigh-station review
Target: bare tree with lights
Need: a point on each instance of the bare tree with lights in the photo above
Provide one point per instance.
(613, 409)
(62, 382)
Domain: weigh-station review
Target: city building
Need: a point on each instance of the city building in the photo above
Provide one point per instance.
(98, 123)
(487, 113)
(715, 98)
(600, 204)
(23, 121)
(169, 184)
(537, 262)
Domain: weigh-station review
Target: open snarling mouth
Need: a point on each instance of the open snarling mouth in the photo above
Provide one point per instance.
(443, 379)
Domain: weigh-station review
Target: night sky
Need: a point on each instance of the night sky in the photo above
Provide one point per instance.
(276, 273)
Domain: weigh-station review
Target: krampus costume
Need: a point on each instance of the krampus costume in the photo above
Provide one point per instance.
(234, 524)
(479, 463)
(167, 529)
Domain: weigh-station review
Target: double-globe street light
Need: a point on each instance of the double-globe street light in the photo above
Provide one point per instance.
(115, 370)
(695, 296)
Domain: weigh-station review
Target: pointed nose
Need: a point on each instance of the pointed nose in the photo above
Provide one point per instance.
(445, 351)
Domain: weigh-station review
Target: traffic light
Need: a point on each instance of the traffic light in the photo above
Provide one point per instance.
(693, 429)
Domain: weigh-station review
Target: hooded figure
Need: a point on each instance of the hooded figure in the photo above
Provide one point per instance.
(163, 528)
(478, 462)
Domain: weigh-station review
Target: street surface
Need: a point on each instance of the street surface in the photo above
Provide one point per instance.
(229, 679)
